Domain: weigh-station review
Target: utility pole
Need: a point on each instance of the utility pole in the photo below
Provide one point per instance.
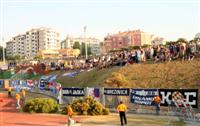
(4, 58)
(86, 53)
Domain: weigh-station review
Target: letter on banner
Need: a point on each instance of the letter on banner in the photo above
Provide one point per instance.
(188, 94)
(165, 97)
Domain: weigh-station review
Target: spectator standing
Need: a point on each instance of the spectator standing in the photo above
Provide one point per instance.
(23, 96)
(9, 92)
(156, 102)
(69, 114)
(17, 96)
(122, 109)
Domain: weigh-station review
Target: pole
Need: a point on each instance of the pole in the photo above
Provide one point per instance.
(4, 59)
(86, 53)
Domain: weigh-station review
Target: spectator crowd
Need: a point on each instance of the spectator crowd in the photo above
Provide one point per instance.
(159, 53)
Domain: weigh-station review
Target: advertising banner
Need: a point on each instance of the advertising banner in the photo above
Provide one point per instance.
(30, 83)
(23, 84)
(94, 92)
(14, 83)
(6, 84)
(117, 91)
(190, 96)
(73, 92)
(143, 96)
(42, 84)
(1, 83)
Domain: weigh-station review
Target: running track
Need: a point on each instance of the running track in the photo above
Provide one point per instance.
(10, 116)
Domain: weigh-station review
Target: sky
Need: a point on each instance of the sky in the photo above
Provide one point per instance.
(170, 19)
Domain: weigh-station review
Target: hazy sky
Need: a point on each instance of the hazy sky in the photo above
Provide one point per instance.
(170, 19)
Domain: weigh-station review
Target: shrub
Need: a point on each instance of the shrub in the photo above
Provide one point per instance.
(41, 105)
(106, 111)
(87, 106)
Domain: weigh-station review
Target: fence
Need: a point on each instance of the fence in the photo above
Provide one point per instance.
(135, 99)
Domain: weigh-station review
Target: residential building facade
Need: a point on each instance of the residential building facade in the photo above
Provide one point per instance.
(27, 45)
(11, 48)
(126, 39)
(93, 43)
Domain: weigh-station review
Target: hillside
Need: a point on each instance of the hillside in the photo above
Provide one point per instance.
(162, 75)
(93, 78)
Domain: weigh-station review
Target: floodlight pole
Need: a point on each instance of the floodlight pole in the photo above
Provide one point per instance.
(4, 57)
(86, 53)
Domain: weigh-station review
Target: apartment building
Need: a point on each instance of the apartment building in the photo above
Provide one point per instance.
(27, 45)
(68, 42)
(48, 39)
(32, 42)
(129, 38)
(93, 43)
(16, 46)
(11, 48)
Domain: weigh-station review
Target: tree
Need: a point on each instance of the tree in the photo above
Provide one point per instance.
(77, 45)
(17, 57)
(88, 49)
(197, 36)
(83, 49)
(37, 57)
(1, 53)
(182, 40)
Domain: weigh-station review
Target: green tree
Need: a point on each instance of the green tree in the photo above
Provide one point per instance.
(77, 45)
(83, 49)
(182, 40)
(17, 57)
(37, 57)
(1, 53)
(10, 58)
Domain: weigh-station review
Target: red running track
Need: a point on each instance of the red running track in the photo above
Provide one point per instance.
(10, 116)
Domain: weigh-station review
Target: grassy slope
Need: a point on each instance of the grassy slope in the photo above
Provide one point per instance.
(5, 75)
(164, 75)
(87, 79)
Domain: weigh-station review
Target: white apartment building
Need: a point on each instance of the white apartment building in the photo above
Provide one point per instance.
(16, 46)
(28, 44)
(48, 39)
(93, 43)
(31, 45)
(11, 48)
(69, 42)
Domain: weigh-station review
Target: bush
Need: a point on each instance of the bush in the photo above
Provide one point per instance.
(106, 111)
(87, 106)
(41, 105)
